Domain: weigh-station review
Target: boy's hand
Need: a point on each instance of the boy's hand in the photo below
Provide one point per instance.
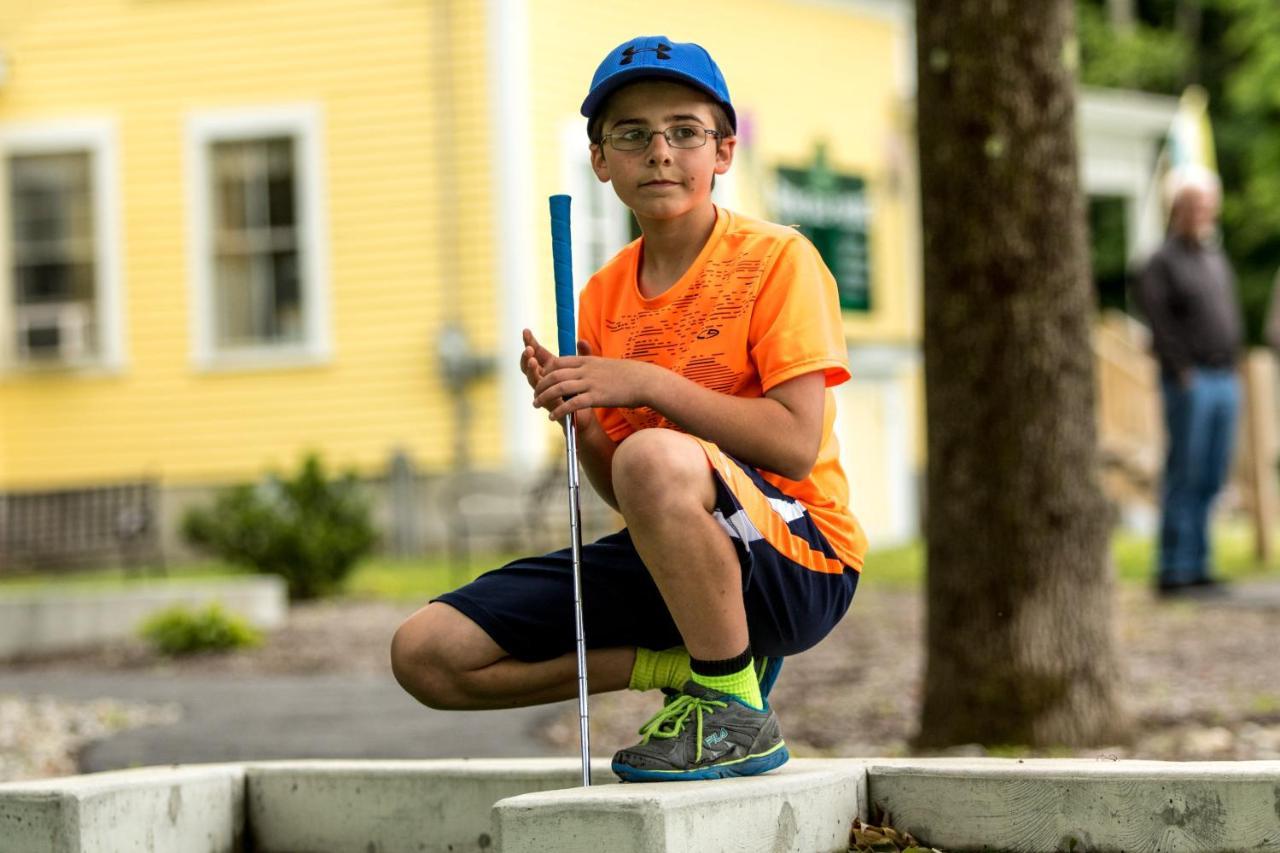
(535, 361)
(589, 382)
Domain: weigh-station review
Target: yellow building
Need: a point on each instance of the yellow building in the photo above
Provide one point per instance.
(232, 231)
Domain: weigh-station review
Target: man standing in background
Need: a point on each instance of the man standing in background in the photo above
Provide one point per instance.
(1187, 292)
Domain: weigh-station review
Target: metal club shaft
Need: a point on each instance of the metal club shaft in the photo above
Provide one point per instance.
(575, 527)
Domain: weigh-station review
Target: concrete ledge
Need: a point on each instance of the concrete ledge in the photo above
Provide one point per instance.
(394, 806)
(806, 807)
(51, 620)
(1052, 804)
(192, 809)
(524, 805)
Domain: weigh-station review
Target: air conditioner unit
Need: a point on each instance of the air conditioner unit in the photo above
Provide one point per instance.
(55, 331)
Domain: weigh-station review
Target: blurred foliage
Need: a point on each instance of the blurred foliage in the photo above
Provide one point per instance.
(1108, 250)
(310, 530)
(1147, 58)
(179, 631)
(1232, 49)
(1248, 138)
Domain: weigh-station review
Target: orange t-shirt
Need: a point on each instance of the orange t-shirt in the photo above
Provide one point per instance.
(757, 307)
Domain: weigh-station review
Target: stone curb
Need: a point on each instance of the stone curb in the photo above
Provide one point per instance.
(1056, 804)
(800, 807)
(523, 805)
(197, 808)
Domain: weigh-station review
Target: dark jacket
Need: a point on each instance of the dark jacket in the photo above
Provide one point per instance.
(1187, 293)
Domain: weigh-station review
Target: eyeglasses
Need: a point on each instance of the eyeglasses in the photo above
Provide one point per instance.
(677, 136)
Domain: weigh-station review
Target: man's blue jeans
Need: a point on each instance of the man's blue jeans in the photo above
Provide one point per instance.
(1201, 424)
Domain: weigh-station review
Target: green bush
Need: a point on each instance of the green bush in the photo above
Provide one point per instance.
(179, 631)
(310, 530)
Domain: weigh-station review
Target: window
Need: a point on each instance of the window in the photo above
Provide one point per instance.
(256, 289)
(52, 250)
(257, 219)
(60, 293)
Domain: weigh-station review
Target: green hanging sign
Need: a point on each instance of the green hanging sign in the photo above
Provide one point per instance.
(832, 211)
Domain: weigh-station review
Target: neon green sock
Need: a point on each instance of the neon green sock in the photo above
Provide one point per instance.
(742, 684)
(667, 668)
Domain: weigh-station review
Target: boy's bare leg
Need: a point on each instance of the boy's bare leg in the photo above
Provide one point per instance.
(446, 661)
(666, 491)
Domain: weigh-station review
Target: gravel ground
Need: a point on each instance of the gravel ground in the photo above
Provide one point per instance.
(1203, 682)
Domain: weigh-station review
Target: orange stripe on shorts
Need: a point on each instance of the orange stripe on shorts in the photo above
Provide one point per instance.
(771, 525)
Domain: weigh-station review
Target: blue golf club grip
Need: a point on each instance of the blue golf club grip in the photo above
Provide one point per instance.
(562, 260)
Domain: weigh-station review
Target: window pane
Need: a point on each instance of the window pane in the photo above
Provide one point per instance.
(288, 296)
(232, 209)
(234, 308)
(53, 282)
(280, 182)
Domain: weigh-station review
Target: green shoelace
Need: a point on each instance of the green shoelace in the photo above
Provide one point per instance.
(671, 720)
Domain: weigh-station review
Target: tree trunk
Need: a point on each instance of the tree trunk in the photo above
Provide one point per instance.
(1019, 593)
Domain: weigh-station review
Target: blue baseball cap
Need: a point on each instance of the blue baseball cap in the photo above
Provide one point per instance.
(650, 57)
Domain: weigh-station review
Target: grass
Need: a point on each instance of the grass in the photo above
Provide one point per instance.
(1133, 555)
(373, 578)
(415, 580)
(113, 578)
(900, 568)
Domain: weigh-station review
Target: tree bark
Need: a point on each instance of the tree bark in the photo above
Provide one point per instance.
(1019, 592)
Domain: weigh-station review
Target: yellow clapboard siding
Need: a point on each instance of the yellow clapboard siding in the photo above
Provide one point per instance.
(400, 262)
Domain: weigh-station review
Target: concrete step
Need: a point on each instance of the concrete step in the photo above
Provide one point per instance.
(196, 808)
(805, 806)
(520, 806)
(1080, 804)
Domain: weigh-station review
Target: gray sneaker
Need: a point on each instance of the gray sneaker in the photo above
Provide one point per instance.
(703, 734)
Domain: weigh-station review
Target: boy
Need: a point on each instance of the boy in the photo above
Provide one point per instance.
(703, 416)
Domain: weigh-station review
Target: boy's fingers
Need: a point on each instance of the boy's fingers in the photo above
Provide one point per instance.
(559, 391)
(541, 353)
(576, 403)
(584, 348)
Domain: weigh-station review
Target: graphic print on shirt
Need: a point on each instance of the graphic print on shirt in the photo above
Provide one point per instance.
(685, 335)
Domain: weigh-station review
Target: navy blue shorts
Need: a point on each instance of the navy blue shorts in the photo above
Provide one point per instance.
(527, 605)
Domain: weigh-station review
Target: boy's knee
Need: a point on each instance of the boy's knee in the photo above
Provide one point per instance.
(422, 666)
(659, 462)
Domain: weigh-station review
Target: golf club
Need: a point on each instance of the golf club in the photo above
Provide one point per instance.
(562, 259)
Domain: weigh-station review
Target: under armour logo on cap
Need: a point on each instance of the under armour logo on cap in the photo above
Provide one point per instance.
(663, 51)
(658, 57)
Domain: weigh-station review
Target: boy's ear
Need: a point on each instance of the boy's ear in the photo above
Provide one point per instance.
(598, 164)
(724, 154)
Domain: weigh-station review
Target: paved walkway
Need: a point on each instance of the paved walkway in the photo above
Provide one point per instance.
(235, 718)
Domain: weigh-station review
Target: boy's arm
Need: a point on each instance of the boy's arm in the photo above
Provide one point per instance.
(779, 432)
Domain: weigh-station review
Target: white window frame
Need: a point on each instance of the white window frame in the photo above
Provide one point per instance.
(98, 137)
(302, 123)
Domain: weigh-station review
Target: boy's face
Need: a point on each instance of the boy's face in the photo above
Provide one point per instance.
(660, 182)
